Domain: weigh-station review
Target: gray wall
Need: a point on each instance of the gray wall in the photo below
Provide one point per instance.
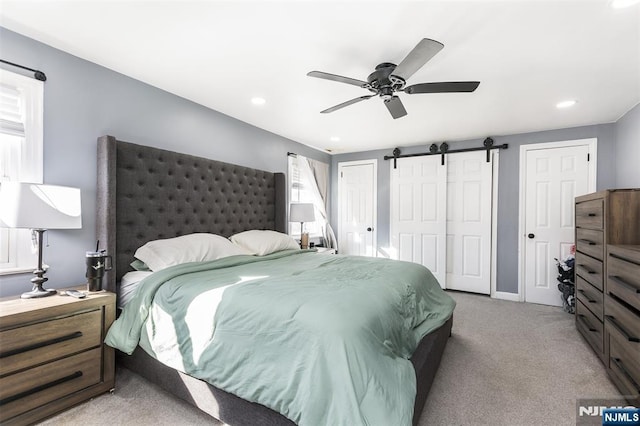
(83, 101)
(628, 149)
(508, 186)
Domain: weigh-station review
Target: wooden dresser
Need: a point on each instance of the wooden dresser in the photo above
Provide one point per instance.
(52, 354)
(604, 219)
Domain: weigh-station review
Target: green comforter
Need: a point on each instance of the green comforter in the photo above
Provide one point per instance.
(322, 339)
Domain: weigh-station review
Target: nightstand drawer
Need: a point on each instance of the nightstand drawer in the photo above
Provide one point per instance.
(590, 327)
(591, 297)
(40, 385)
(590, 269)
(590, 242)
(41, 342)
(590, 214)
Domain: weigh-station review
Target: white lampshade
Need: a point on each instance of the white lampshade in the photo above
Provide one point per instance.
(302, 212)
(37, 206)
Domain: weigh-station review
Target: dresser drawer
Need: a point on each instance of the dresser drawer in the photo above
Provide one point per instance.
(589, 269)
(623, 321)
(590, 242)
(591, 297)
(40, 385)
(590, 214)
(41, 342)
(624, 365)
(623, 279)
(590, 327)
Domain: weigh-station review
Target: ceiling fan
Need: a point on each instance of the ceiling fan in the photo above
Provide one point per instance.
(388, 78)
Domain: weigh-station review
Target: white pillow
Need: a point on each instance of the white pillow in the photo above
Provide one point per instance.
(264, 242)
(160, 254)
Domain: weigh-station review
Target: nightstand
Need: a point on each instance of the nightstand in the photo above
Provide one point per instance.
(326, 250)
(52, 354)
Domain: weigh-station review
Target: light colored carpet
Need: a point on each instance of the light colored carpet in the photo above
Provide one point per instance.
(507, 363)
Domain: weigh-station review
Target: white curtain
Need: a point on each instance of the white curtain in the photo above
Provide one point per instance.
(316, 173)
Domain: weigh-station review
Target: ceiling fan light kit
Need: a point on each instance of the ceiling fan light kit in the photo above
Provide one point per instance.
(389, 79)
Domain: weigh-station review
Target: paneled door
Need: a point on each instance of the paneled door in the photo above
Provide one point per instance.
(469, 196)
(357, 207)
(418, 213)
(553, 178)
(441, 217)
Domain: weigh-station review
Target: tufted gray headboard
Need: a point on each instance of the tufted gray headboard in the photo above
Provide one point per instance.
(146, 193)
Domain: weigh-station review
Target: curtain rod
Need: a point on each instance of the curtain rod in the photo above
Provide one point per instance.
(38, 75)
(291, 154)
(444, 149)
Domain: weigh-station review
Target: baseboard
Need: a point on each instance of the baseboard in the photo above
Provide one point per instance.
(503, 295)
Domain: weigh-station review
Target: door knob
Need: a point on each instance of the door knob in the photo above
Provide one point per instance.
(369, 229)
(531, 236)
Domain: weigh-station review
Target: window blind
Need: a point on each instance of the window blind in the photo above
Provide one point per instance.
(11, 111)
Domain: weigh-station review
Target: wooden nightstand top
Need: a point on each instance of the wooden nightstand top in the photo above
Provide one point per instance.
(326, 250)
(14, 310)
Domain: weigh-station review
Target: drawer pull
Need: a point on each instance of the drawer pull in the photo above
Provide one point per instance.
(616, 279)
(41, 387)
(589, 271)
(586, 323)
(40, 344)
(618, 327)
(591, 243)
(618, 363)
(592, 215)
(587, 296)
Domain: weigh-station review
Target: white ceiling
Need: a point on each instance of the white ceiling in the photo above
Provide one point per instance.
(528, 55)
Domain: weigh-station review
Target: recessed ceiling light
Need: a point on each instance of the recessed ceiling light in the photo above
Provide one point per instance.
(620, 4)
(565, 104)
(334, 139)
(258, 101)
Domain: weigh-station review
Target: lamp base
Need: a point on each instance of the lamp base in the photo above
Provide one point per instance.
(38, 292)
(304, 240)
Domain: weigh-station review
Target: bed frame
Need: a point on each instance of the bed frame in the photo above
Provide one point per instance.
(146, 193)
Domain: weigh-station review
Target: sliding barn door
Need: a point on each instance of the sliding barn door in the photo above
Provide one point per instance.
(469, 189)
(418, 213)
(441, 217)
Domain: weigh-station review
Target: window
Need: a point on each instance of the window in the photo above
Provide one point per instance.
(300, 192)
(21, 158)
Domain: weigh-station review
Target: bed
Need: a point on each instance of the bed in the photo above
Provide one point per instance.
(145, 194)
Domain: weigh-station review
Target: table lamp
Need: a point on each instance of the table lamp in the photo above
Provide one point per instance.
(39, 207)
(302, 212)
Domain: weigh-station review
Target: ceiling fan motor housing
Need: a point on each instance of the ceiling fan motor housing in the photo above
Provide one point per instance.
(383, 83)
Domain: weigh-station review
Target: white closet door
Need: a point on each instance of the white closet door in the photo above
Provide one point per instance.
(554, 177)
(418, 213)
(357, 208)
(469, 195)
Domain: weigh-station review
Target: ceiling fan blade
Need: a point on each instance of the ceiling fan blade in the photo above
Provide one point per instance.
(339, 78)
(443, 87)
(420, 55)
(395, 107)
(344, 104)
